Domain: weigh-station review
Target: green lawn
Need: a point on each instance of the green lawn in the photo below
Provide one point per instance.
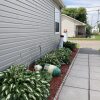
(93, 37)
(97, 37)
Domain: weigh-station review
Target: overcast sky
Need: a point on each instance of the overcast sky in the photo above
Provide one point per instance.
(92, 15)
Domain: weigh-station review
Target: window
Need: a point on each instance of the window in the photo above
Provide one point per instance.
(57, 21)
(57, 26)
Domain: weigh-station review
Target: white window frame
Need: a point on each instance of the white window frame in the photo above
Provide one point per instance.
(57, 19)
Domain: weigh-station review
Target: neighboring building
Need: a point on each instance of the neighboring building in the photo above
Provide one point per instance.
(95, 29)
(74, 27)
(27, 30)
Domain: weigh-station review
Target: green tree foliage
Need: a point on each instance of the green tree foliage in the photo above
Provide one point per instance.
(77, 13)
(99, 26)
(88, 30)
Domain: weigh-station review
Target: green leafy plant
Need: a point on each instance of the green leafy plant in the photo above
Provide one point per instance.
(70, 45)
(45, 75)
(63, 55)
(49, 58)
(16, 83)
(56, 57)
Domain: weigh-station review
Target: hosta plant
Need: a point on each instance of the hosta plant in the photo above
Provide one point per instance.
(56, 57)
(63, 55)
(49, 58)
(16, 83)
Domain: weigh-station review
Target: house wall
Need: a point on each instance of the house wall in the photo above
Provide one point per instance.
(26, 31)
(69, 25)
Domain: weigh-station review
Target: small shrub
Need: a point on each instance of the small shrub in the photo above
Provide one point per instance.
(45, 75)
(49, 58)
(63, 55)
(56, 57)
(70, 45)
(18, 84)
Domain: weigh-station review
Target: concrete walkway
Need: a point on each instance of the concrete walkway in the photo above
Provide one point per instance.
(83, 81)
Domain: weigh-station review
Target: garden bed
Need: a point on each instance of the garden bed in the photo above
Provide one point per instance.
(56, 81)
(42, 81)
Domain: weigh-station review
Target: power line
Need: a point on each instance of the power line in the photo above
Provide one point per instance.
(92, 7)
(98, 18)
(92, 10)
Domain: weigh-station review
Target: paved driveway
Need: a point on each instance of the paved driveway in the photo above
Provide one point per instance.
(83, 81)
(88, 44)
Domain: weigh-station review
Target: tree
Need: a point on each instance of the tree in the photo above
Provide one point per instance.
(77, 13)
(88, 30)
(72, 12)
(99, 27)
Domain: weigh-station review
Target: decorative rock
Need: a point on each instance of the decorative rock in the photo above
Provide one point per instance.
(37, 67)
(52, 69)
(56, 72)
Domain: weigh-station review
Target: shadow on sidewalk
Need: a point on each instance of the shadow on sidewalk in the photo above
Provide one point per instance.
(89, 51)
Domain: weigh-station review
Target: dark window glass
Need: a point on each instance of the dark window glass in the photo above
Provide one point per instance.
(56, 27)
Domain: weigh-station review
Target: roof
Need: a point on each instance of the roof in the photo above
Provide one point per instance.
(74, 20)
(60, 3)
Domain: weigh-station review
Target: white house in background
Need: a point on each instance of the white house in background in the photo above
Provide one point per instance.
(74, 27)
(95, 29)
(28, 30)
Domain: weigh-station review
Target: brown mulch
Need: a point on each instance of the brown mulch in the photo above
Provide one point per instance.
(56, 81)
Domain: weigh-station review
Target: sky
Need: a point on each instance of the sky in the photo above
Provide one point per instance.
(90, 5)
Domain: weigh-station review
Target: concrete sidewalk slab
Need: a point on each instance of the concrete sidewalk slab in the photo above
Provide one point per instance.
(69, 93)
(94, 95)
(95, 69)
(95, 76)
(82, 57)
(95, 64)
(81, 63)
(95, 85)
(81, 74)
(93, 55)
(80, 68)
(81, 60)
(77, 82)
(93, 58)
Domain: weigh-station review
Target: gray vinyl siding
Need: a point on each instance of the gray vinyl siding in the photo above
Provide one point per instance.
(25, 26)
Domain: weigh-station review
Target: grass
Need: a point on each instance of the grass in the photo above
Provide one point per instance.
(96, 38)
(78, 46)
